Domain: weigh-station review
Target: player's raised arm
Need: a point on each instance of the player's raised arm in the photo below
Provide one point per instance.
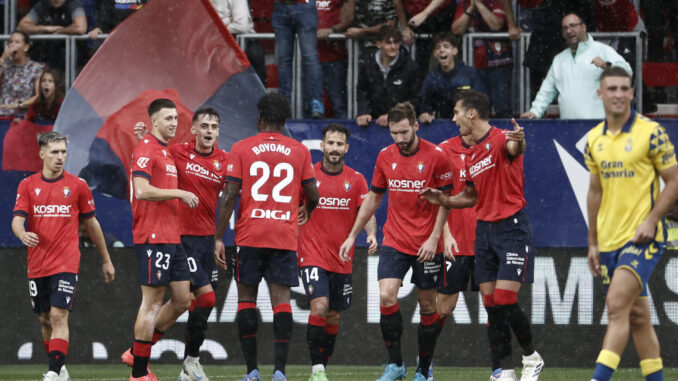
(516, 140)
(226, 207)
(371, 231)
(143, 190)
(29, 239)
(367, 209)
(97, 237)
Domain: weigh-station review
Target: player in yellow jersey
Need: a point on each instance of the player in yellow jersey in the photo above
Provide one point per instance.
(626, 154)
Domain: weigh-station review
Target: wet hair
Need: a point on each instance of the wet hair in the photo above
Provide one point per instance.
(274, 109)
(471, 99)
(447, 36)
(336, 127)
(615, 71)
(207, 111)
(387, 32)
(160, 104)
(51, 137)
(27, 38)
(58, 78)
(400, 111)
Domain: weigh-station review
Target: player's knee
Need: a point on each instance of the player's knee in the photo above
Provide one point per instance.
(639, 318)
(333, 317)
(427, 306)
(616, 308)
(319, 307)
(206, 300)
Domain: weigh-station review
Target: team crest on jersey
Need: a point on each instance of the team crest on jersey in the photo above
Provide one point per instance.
(67, 191)
(217, 165)
(37, 191)
(393, 166)
(600, 147)
(347, 185)
(629, 144)
(158, 274)
(310, 289)
(420, 166)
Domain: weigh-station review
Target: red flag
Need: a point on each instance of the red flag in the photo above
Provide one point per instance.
(20, 149)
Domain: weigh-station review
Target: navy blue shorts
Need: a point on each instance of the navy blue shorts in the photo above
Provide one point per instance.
(201, 264)
(504, 250)
(458, 275)
(338, 288)
(640, 259)
(56, 290)
(162, 263)
(395, 264)
(275, 265)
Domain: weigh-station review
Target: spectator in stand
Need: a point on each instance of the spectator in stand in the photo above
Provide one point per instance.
(442, 84)
(299, 18)
(334, 16)
(662, 29)
(424, 16)
(575, 74)
(492, 58)
(54, 17)
(18, 76)
(50, 96)
(237, 17)
(110, 13)
(387, 79)
(370, 17)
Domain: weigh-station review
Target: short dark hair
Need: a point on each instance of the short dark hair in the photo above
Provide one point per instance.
(400, 111)
(387, 32)
(26, 36)
(471, 99)
(160, 104)
(446, 36)
(207, 111)
(51, 137)
(274, 109)
(336, 127)
(572, 12)
(616, 71)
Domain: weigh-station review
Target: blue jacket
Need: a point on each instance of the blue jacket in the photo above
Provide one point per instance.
(439, 89)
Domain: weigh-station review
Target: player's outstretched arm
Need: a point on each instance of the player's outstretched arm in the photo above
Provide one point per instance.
(143, 190)
(371, 231)
(367, 209)
(428, 250)
(27, 238)
(516, 140)
(593, 199)
(226, 207)
(464, 199)
(667, 197)
(97, 236)
(312, 197)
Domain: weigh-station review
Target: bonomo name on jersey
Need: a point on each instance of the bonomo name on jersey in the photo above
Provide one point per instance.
(271, 147)
(406, 185)
(52, 210)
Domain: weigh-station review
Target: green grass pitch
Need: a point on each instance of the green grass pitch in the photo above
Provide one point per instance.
(301, 373)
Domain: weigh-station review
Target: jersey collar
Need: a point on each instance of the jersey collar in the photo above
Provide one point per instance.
(328, 173)
(627, 126)
(481, 139)
(54, 180)
(158, 140)
(195, 151)
(411, 153)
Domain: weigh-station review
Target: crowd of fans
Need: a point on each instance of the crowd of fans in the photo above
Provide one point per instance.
(408, 50)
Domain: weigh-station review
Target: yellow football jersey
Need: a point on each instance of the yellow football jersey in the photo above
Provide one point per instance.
(628, 165)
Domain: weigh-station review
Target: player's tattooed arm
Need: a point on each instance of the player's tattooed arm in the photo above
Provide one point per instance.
(226, 207)
(371, 231)
(593, 200)
(97, 235)
(29, 239)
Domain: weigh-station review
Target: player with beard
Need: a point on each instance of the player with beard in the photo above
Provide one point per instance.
(201, 168)
(411, 234)
(327, 279)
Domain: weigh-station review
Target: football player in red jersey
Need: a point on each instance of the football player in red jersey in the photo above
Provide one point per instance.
(412, 234)
(271, 169)
(327, 279)
(201, 168)
(504, 253)
(53, 201)
(162, 260)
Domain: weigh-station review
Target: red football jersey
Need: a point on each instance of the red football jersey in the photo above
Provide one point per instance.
(498, 177)
(328, 16)
(155, 221)
(410, 219)
(271, 169)
(203, 175)
(462, 222)
(341, 194)
(52, 208)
